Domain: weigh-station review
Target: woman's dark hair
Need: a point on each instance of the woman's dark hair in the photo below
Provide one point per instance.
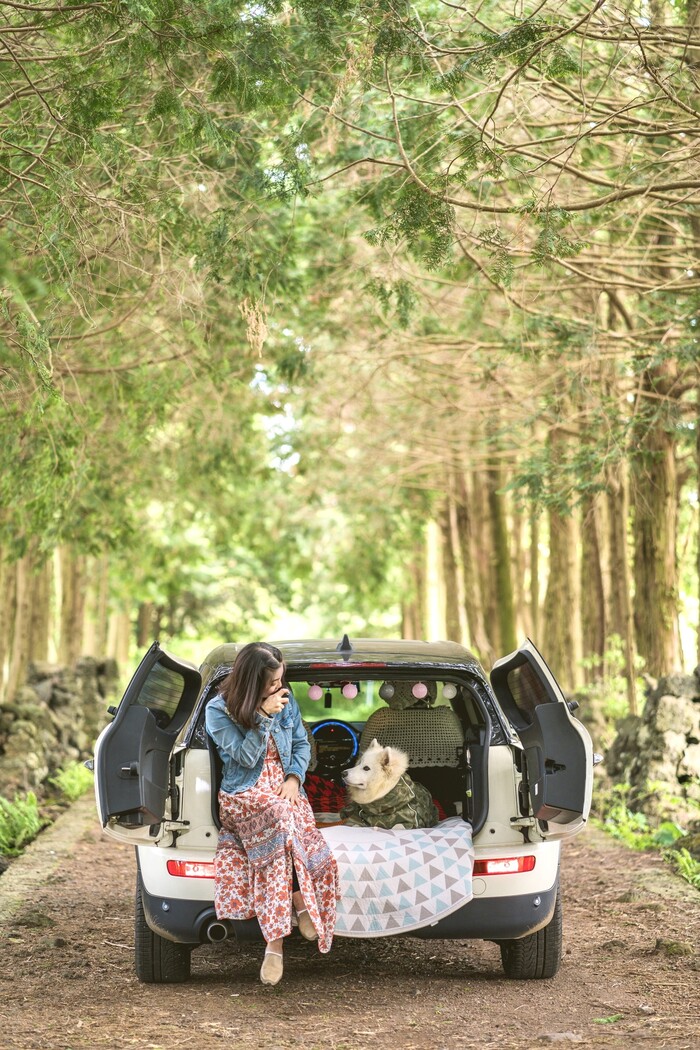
(243, 687)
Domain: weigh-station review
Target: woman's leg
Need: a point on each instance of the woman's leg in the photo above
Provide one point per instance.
(272, 966)
(306, 927)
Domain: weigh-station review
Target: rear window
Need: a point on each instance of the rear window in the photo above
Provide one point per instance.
(355, 700)
(161, 693)
(527, 691)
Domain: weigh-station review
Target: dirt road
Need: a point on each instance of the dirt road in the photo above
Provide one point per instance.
(630, 976)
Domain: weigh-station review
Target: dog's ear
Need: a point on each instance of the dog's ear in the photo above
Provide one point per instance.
(385, 760)
(375, 744)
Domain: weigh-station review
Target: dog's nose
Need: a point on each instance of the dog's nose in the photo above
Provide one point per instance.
(344, 774)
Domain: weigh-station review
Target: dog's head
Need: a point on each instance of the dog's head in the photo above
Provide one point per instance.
(377, 771)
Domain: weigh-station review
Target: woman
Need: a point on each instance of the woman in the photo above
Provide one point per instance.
(271, 861)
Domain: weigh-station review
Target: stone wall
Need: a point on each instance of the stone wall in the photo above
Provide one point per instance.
(52, 720)
(662, 747)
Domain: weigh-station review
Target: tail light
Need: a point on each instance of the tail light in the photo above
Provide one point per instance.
(191, 869)
(504, 866)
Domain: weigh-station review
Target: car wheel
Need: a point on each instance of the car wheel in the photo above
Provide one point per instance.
(538, 955)
(158, 961)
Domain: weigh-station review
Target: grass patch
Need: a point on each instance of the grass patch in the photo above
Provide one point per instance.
(72, 781)
(20, 822)
(635, 830)
(22, 819)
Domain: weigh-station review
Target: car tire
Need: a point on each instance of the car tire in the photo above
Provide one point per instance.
(158, 961)
(537, 956)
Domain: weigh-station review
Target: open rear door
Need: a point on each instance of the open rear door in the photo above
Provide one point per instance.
(558, 749)
(132, 754)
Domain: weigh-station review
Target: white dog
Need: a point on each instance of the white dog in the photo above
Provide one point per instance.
(382, 795)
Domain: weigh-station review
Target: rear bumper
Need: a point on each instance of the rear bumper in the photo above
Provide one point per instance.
(185, 921)
(496, 918)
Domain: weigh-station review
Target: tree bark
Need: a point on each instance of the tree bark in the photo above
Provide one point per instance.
(593, 620)
(72, 605)
(560, 613)
(144, 624)
(501, 562)
(41, 587)
(473, 604)
(7, 606)
(535, 571)
(521, 575)
(413, 608)
(450, 572)
(620, 615)
(119, 638)
(19, 653)
(655, 491)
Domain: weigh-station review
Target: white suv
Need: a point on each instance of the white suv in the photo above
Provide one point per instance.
(505, 760)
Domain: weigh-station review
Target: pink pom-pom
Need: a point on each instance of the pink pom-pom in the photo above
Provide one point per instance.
(315, 692)
(349, 690)
(420, 690)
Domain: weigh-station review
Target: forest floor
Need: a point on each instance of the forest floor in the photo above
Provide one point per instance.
(630, 974)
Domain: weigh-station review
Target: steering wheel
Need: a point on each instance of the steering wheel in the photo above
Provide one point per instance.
(337, 745)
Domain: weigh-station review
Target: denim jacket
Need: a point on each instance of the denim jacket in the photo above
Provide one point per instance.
(243, 750)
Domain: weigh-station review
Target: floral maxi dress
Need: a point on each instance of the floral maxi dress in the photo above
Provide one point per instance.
(262, 836)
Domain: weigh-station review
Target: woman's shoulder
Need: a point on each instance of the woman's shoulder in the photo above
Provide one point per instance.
(215, 708)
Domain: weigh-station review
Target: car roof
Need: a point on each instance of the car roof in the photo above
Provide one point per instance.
(390, 651)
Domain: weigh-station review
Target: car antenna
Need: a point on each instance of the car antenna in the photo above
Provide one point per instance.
(344, 647)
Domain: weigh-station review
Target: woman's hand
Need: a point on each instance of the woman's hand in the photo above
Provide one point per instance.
(274, 702)
(290, 790)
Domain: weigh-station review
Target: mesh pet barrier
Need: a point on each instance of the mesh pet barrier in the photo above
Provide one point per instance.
(430, 736)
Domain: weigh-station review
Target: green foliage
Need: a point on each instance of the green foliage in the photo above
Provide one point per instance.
(423, 221)
(72, 781)
(397, 297)
(551, 243)
(687, 866)
(608, 692)
(630, 826)
(20, 822)
(496, 241)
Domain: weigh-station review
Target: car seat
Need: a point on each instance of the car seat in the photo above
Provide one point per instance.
(433, 739)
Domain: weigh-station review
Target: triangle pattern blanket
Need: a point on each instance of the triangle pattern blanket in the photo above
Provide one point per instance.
(400, 880)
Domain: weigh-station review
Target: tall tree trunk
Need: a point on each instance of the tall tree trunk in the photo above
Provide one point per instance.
(620, 616)
(593, 620)
(21, 632)
(483, 557)
(535, 571)
(413, 608)
(119, 638)
(655, 534)
(73, 585)
(450, 572)
(501, 561)
(521, 574)
(473, 603)
(102, 607)
(457, 549)
(145, 624)
(41, 590)
(7, 607)
(560, 614)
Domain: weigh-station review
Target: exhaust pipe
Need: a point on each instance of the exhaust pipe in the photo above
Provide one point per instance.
(217, 931)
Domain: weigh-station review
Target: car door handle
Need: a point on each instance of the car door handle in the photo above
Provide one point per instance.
(132, 770)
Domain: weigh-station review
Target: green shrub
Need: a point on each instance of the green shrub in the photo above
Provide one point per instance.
(686, 865)
(632, 826)
(72, 781)
(20, 822)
